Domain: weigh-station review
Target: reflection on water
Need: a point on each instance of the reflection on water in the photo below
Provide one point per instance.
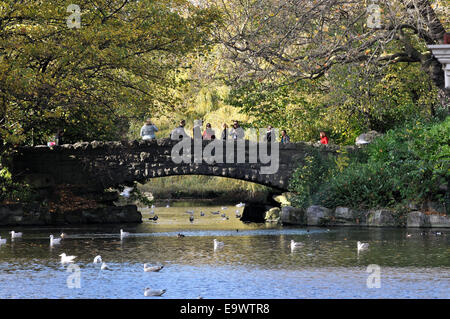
(255, 262)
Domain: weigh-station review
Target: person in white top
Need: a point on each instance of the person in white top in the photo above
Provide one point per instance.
(179, 133)
(237, 132)
(148, 130)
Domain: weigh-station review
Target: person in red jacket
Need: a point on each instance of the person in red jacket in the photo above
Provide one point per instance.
(323, 138)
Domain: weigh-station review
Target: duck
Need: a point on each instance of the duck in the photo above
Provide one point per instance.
(149, 292)
(295, 244)
(202, 214)
(152, 269)
(67, 259)
(362, 246)
(15, 235)
(155, 218)
(191, 219)
(179, 235)
(240, 204)
(54, 241)
(218, 244)
(98, 259)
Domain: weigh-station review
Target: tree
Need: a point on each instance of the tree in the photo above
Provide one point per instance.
(121, 62)
(304, 39)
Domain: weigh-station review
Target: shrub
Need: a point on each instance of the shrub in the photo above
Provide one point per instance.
(407, 164)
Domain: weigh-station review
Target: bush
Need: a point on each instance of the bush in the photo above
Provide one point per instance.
(408, 164)
(13, 192)
(308, 177)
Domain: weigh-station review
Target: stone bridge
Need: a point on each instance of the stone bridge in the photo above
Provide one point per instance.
(98, 165)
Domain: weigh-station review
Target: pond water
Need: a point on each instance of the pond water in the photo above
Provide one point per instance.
(256, 260)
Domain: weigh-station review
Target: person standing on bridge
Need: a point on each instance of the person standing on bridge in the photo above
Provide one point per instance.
(237, 133)
(224, 135)
(284, 137)
(208, 132)
(179, 133)
(148, 130)
(323, 138)
(268, 137)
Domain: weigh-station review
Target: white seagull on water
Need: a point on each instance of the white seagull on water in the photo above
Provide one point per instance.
(67, 259)
(54, 241)
(98, 259)
(218, 244)
(362, 246)
(15, 235)
(295, 244)
(123, 234)
(126, 192)
(149, 292)
(104, 267)
(154, 268)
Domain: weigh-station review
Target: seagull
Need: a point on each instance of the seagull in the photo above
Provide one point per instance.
(223, 207)
(218, 244)
(215, 213)
(149, 292)
(154, 268)
(240, 204)
(15, 235)
(225, 218)
(202, 214)
(191, 212)
(152, 212)
(153, 206)
(362, 246)
(438, 233)
(123, 234)
(63, 235)
(104, 266)
(98, 259)
(54, 241)
(191, 219)
(126, 192)
(67, 259)
(408, 235)
(295, 244)
(2, 241)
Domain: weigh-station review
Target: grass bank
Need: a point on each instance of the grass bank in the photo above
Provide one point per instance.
(221, 189)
